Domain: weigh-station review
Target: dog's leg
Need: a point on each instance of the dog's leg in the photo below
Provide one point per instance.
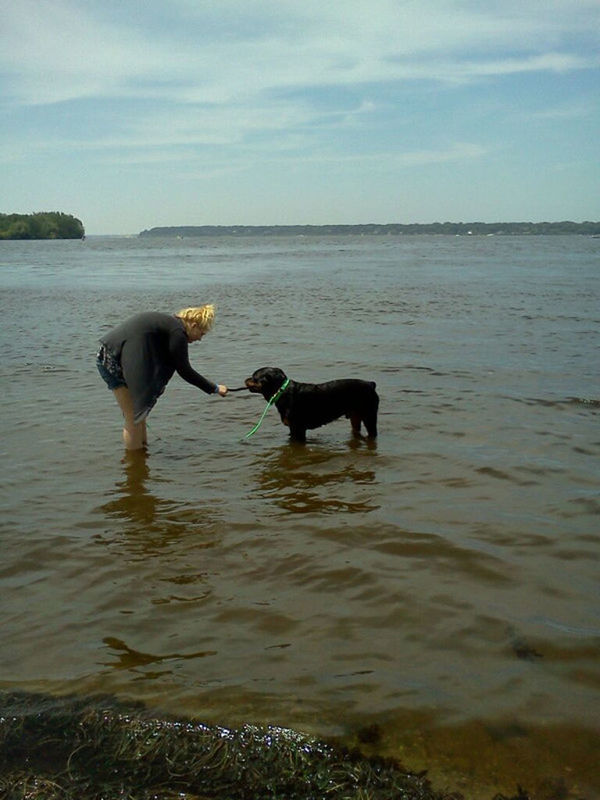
(355, 420)
(370, 420)
(297, 433)
(371, 425)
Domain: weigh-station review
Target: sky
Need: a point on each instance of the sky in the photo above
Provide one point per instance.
(132, 114)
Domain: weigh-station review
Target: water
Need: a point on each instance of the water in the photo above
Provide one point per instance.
(433, 596)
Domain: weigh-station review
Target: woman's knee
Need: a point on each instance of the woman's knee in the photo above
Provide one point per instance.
(134, 433)
(125, 401)
(134, 438)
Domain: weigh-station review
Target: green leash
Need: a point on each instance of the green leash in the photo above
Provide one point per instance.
(275, 397)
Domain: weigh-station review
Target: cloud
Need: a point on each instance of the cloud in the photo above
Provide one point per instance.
(346, 104)
(201, 52)
(570, 111)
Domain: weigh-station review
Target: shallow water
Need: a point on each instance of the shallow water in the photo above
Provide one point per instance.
(433, 596)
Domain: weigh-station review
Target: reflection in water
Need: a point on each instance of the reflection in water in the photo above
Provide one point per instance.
(134, 502)
(130, 659)
(300, 478)
(161, 538)
(153, 523)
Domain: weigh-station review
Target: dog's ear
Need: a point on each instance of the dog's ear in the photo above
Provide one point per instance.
(262, 373)
(277, 374)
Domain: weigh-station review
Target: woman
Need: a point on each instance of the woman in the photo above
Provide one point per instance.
(138, 358)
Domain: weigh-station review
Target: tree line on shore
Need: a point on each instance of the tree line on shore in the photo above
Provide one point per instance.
(436, 228)
(57, 225)
(41, 225)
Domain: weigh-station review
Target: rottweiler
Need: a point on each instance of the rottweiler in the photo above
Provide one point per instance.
(304, 406)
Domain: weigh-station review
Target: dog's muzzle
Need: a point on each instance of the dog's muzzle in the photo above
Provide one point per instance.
(252, 386)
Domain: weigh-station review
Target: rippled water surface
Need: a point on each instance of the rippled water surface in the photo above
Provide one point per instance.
(433, 596)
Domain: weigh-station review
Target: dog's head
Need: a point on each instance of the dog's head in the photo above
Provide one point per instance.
(266, 381)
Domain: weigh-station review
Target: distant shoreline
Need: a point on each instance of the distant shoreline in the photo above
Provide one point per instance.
(392, 229)
(41, 225)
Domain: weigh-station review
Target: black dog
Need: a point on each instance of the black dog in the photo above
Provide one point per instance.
(310, 405)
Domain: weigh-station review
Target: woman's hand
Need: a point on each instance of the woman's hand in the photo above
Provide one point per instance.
(222, 389)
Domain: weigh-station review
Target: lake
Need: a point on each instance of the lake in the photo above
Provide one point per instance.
(437, 589)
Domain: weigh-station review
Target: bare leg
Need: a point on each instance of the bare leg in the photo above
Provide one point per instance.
(134, 436)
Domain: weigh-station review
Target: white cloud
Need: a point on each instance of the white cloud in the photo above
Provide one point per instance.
(571, 111)
(345, 105)
(64, 50)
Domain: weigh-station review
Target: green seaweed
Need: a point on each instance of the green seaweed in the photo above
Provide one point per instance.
(97, 749)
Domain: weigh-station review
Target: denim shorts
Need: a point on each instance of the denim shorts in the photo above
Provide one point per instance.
(109, 369)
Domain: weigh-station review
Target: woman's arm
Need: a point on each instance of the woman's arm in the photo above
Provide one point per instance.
(178, 347)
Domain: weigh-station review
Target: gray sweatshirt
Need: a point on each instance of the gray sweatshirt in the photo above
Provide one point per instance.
(150, 347)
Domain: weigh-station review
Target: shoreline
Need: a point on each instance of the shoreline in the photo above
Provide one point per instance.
(392, 229)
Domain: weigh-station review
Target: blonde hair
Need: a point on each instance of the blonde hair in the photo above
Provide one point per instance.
(202, 317)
